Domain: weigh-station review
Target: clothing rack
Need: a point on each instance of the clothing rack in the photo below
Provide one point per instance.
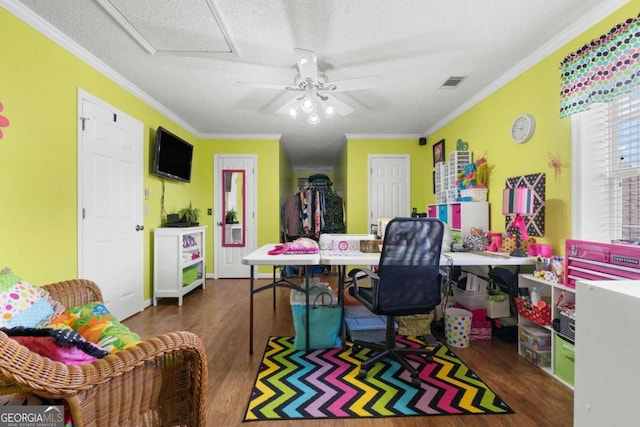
(313, 210)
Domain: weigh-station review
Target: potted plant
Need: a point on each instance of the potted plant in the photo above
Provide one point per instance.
(231, 217)
(190, 215)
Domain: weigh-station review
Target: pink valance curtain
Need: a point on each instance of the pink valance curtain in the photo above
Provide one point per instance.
(603, 69)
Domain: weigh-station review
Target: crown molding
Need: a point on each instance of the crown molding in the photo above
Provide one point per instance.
(238, 136)
(571, 32)
(384, 135)
(37, 23)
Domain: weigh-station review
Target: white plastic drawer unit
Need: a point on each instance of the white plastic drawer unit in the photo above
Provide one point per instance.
(601, 261)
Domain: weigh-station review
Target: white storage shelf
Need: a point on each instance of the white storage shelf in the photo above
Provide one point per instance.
(461, 216)
(172, 257)
(549, 292)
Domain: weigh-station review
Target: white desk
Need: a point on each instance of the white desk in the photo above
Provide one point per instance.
(446, 259)
(261, 257)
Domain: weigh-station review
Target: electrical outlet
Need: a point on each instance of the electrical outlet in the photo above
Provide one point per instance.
(209, 211)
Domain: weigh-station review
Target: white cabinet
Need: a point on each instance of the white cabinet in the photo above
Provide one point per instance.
(461, 217)
(179, 261)
(556, 359)
(607, 374)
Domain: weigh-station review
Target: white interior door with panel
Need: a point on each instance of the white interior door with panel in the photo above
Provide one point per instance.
(235, 190)
(389, 186)
(110, 204)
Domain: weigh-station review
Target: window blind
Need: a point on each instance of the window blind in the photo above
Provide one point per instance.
(607, 173)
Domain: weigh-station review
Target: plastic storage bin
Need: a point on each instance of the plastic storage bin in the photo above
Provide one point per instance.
(564, 359)
(369, 329)
(469, 299)
(541, 358)
(535, 338)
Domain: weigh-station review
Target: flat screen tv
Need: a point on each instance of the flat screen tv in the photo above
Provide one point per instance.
(172, 158)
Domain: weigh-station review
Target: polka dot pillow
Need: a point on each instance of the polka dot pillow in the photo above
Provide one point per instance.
(22, 304)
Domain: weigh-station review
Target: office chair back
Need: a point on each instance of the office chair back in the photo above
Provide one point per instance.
(409, 268)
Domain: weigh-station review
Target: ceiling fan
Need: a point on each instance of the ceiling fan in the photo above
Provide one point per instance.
(315, 89)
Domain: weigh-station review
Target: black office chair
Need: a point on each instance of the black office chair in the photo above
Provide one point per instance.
(408, 281)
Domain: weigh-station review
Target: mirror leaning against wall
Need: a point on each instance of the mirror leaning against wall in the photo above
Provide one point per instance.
(233, 197)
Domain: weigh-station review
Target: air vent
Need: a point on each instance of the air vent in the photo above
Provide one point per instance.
(452, 82)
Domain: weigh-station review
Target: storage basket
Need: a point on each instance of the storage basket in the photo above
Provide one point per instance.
(567, 326)
(498, 306)
(534, 313)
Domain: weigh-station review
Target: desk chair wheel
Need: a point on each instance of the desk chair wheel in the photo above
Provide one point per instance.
(362, 374)
(355, 349)
(416, 381)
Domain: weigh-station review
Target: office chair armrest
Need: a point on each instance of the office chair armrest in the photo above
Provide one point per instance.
(360, 273)
(367, 272)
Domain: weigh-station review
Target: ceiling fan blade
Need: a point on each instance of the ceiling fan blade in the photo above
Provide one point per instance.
(341, 108)
(278, 86)
(307, 65)
(357, 83)
(285, 109)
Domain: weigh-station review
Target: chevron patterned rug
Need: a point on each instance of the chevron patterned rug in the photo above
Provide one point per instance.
(292, 384)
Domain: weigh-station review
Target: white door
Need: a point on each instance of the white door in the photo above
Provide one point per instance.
(228, 259)
(389, 186)
(110, 203)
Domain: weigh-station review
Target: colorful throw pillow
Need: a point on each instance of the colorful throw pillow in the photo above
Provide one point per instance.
(61, 345)
(94, 322)
(22, 304)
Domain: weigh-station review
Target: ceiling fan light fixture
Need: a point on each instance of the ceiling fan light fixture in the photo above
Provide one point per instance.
(313, 118)
(293, 112)
(307, 105)
(329, 111)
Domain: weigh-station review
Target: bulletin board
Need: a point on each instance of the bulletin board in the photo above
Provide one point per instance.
(535, 222)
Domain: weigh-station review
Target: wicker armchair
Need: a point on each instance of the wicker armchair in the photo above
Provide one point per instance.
(161, 381)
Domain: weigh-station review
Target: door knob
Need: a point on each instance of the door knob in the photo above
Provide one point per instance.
(139, 227)
(220, 224)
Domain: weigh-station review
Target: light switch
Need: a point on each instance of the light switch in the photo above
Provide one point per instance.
(209, 211)
(146, 194)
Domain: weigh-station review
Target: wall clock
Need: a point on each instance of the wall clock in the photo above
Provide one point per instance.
(522, 128)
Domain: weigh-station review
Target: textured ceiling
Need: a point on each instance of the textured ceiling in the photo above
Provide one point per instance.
(187, 56)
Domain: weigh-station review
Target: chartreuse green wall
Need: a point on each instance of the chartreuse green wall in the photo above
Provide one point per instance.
(486, 127)
(355, 162)
(39, 84)
(269, 158)
(38, 159)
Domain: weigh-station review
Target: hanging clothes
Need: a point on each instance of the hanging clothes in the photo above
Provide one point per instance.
(321, 209)
(291, 220)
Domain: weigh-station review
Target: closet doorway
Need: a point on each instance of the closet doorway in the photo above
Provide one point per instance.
(389, 186)
(234, 195)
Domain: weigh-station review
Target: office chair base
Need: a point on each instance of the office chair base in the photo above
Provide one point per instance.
(398, 353)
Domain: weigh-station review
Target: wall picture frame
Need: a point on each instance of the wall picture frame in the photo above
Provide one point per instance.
(438, 152)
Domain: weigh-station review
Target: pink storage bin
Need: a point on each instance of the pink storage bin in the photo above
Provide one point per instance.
(544, 251)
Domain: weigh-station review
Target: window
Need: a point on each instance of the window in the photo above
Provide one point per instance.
(606, 172)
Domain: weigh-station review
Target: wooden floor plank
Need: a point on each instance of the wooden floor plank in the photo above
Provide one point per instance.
(219, 314)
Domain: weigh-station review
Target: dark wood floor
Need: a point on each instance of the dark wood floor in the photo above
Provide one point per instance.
(219, 314)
